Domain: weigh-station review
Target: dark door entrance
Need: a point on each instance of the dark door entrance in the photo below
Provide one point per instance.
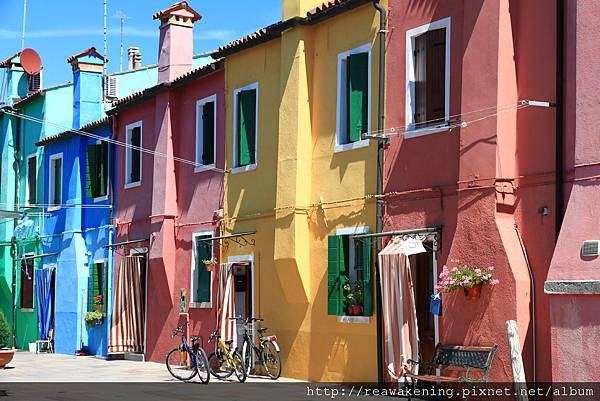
(421, 267)
(243, 289)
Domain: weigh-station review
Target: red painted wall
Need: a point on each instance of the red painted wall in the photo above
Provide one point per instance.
(481, 181)
(171, 204)
(575, 319)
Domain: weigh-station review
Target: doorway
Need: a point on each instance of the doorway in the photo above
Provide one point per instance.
(424, 276)
(142, 255)
(242, 279)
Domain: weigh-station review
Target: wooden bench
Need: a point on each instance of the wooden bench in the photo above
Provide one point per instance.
(466, 359)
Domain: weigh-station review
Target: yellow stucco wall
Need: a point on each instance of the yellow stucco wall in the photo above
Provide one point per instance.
(302, 191)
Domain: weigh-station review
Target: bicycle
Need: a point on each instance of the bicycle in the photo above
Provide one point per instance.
(225, 360)
(185, 362)
(266, 355)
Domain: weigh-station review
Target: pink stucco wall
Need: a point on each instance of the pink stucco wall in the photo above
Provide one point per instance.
(575, 319)
(172, 203)
(481, 181)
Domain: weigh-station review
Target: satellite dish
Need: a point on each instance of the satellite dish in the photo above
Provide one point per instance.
(31, 61)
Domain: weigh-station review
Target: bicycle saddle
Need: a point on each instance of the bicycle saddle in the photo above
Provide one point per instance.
(193, 338)
(229, 342)
(261, 329)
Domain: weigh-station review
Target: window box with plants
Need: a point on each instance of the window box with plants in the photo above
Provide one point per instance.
(6, 354)
(466, 277)
(211, 264)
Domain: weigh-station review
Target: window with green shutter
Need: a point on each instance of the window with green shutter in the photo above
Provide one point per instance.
(357, 96)
(203, 251)
(98, 285)
(348, 261)
(246, 127)
(97, 170)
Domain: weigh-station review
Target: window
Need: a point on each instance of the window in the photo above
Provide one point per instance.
(133, 155)
(353, 98)
(27, 282)
(31, 179)
(98, 286)
(349, 274)
(201, 277)
(428, 76)
(246, 127)
(97, 170)
(206, 132)
(55, 187)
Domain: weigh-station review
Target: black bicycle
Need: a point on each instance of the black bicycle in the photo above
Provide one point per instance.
(266, 354)
(185, 362)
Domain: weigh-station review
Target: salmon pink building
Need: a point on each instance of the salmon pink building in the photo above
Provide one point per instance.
(169, 187)
(472, 173)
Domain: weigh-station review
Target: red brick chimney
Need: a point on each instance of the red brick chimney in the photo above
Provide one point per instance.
(176, 40)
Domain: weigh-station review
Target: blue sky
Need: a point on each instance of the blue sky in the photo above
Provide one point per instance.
(57, 29)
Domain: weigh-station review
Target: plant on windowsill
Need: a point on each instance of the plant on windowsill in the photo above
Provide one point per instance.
(6, 354)
(211, 264)
(93, 318)
(470, 278)
(98, 303)
(354, 295)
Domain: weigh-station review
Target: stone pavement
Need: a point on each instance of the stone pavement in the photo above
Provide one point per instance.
(29, 367)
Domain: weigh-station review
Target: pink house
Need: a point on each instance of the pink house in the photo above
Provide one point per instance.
(474, 172)
(168, 202)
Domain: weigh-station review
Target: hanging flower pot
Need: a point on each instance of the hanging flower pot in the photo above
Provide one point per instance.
(211, 265)
(355, 310)
(473, 292)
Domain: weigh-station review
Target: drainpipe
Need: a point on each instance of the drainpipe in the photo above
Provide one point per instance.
(17, 151)
(380, 145)
(559, 194)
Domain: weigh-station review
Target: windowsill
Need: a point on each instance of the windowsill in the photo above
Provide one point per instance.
(53, 208)
(363, 143)
(207, 167)
(416, 132)
(28, 310)
(133, 184)
(243, 169)
(200, 305)
(353, 319)
(101, 199)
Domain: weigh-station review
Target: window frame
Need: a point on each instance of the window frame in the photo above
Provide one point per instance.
(235, 167)
(104, 197)
(27, 188)
(26, 257)
(340, 99)
(52, 181)
(194, 271)
(199, 149)
(409, 130)
(105, 274)
(128, 130)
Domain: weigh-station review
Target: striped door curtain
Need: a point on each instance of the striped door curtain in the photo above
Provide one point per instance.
(127, 325)
(399, 312)
(226, 308)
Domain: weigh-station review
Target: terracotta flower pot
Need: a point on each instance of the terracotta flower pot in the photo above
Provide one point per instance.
(355, 310)
(98, 307)
(6, 355)
(473, 292)
(212, 267)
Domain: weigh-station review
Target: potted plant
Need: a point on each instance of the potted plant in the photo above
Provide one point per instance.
(470, 278)
(6, 354)
(98, 303)
(211, 264)
(354, 295)
(93, 318)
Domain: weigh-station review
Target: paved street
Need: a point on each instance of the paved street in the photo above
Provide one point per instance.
(29, 367)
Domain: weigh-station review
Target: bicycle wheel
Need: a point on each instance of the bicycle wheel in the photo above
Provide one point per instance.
(179, 364)
(239, 368)
(202, 366)
(219, 368)
(271, 360)
(247, 356)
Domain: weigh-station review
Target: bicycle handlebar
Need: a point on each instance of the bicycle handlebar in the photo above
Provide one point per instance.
(179, 329)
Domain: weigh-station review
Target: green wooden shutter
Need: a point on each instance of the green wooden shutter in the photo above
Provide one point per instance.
(246, 127)
(367, 277)
(203, 286)
(102, 168)
(94, 287)
(357, 95)
(92, 158)
(104, 285)
(336, 274)
(208, 133)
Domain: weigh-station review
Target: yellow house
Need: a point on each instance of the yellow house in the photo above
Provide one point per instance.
(301, 181)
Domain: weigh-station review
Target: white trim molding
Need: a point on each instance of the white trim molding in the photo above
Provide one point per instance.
(410, 130)
(52, 181)
(236, 167)
(128, 129)
(194, 270)
(340, 128)
(199, 151)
